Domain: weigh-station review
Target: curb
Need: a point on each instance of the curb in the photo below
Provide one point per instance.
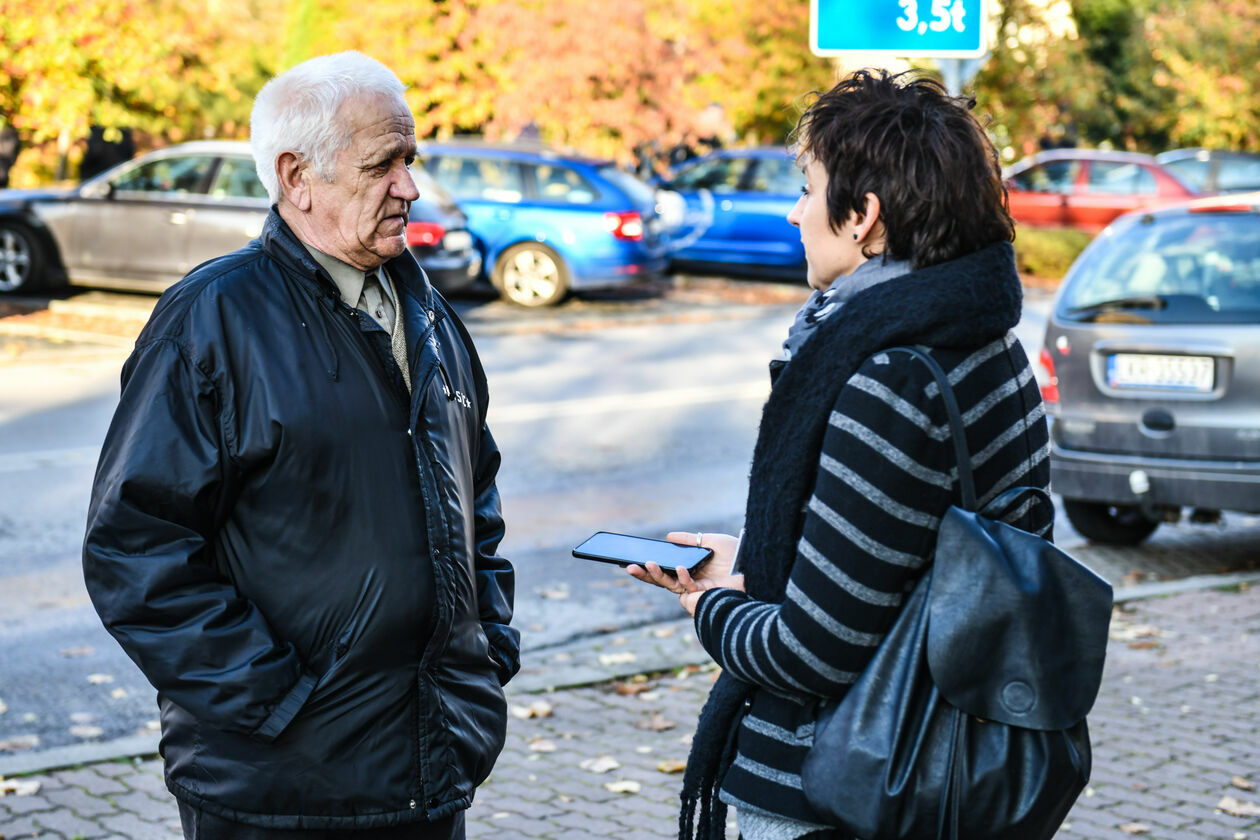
(646, 649)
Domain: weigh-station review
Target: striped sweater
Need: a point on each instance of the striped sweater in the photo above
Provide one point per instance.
(885, 476)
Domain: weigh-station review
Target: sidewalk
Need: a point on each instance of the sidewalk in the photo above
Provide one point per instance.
(1176, 734)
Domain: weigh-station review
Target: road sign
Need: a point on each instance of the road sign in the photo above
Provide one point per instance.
(904, 28)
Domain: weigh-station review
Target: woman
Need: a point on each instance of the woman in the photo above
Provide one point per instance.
(907, 240)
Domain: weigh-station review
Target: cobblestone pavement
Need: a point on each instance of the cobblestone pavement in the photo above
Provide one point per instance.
(1176, 734)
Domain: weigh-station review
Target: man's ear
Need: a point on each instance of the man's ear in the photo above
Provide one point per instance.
(294, 177)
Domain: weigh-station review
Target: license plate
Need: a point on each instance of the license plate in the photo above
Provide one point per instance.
(1171, 373)
(457, 240)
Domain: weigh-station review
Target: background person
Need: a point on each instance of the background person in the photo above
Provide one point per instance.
(294, 523)
(907, 240)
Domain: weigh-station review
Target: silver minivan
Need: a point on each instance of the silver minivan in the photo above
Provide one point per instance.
(1151, 371)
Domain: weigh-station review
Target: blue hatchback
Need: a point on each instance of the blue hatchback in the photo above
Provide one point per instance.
(735, 220)
(548, 223)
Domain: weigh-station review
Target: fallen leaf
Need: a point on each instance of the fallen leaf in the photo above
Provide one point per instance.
(1211, 678)
(562, 657)
(118, 693)
(501, 815)
(86, 731)
(672, 765)
(19, 743)
(623, 658)
(631, 687)
(77, 652)
(3, 707)
(153, 725)
(542, 745)
(624, 786)
(643, 750)
(558, 593)
(656, 723)
(1140, 786)
(664, 632)
(600, 765)
(1135, 828)
(1242, 784)
(536, 709)
(84, 717)
(1237, 808)
(18, 787)
(1143, 645)
(100, 679)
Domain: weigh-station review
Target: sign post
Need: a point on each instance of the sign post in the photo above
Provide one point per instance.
(901, 28)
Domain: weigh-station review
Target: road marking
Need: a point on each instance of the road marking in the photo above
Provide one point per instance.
(622, 403)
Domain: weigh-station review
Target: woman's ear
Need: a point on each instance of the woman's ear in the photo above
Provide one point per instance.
(867, 227)
(294, 176)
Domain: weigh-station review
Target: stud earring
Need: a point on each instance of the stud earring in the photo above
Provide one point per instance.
(855, 237)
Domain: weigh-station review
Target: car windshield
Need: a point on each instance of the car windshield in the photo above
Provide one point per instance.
(1191, 268)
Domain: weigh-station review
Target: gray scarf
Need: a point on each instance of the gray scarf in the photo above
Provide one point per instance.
(823, 304)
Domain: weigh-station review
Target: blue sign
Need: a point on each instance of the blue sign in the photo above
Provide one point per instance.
(907, 28)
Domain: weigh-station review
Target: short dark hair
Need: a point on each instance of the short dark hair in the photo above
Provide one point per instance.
(922, 151)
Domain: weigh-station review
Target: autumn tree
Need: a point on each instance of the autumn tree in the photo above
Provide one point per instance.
(170, 68)
(1208, 55)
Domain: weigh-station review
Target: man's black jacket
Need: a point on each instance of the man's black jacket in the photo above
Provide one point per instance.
(300, 557)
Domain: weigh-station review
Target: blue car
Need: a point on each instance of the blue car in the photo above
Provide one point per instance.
(735, 219)
(549, 223)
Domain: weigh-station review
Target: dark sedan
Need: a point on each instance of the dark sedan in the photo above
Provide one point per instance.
(145, 223)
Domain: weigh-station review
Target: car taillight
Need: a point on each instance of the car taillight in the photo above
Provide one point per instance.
(627, 226)
(1050, 384)
(424, 233)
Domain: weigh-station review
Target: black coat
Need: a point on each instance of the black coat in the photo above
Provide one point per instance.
(300, 557)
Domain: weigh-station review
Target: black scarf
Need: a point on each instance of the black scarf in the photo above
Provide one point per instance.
(963, 303)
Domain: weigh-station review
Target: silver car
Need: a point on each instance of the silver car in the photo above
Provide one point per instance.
(147, 222)
(1151, 371)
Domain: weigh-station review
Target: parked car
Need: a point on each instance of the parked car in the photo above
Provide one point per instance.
(735, 219)
(548, 223)
(1151, 370)
(1214, 170)
(144, 224)
(1087, 188)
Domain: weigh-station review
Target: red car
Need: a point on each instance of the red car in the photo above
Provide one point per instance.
(1087, 188)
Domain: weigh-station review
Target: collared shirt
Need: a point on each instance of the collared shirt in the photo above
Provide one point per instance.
(375, 298)
(372, 292)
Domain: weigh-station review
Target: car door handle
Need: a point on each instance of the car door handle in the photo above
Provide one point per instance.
(180, 217)
(727, 204)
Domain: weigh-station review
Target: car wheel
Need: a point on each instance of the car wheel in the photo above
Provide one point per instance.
(1110, 524)
(21, 260)
(531, 274)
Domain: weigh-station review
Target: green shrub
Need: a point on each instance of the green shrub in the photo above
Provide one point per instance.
(1048, 252)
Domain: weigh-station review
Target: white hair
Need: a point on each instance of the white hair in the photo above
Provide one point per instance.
(297, 112)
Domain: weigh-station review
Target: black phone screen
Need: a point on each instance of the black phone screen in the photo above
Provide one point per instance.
(625, 550)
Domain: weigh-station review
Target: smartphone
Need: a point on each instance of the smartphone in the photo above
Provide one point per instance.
(625, 550)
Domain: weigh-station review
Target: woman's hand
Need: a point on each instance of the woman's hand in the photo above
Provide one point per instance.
(714, 574)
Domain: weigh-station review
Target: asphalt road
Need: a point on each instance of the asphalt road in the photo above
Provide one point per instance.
(629, 413)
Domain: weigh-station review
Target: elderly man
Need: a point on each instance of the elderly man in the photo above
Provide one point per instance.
(294, 523)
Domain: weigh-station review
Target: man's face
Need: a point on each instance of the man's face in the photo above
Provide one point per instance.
(360, 217)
